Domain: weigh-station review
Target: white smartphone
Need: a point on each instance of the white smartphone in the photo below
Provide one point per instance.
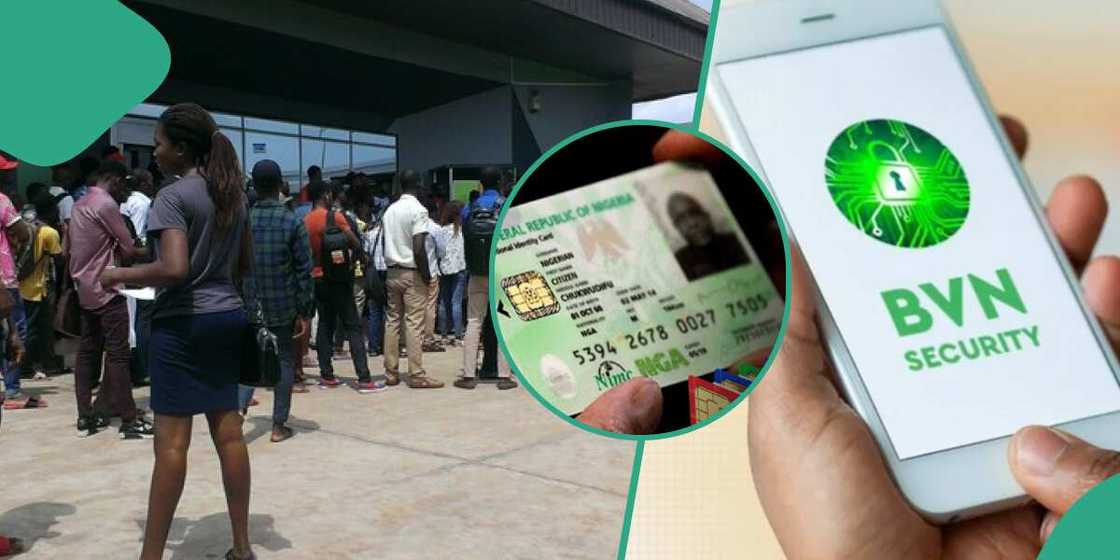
(949, 311)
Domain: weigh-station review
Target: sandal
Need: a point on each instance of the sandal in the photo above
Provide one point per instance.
(423, 382)
(10, 546)
(231, 556)
(284, 433)
(29, 402)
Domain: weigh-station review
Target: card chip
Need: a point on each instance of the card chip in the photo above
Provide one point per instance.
(530, 295)
(705, 399)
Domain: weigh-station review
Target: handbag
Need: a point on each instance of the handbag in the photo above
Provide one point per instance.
(68, 311)
(260, 353)
(68, 314)
(374, 283)
(260, 349)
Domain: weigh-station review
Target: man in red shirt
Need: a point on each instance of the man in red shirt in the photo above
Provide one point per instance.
(334, 299)
(98, 239)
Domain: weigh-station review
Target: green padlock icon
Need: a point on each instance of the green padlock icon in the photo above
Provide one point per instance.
(896, 180)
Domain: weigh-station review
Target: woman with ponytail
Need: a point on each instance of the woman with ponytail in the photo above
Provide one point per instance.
(202, 246)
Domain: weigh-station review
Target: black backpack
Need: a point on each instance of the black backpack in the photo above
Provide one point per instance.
(334, 257)
(25, 261)
(478, 232)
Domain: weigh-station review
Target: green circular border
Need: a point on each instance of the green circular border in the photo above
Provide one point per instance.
(785, 250)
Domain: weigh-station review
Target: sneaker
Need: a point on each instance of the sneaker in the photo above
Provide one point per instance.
(137, 429)
(330, 382)
(370, 386)
(506, 383)
(39, 376)
(432, 347)
(392, 379)
(466, 382)
(87, 426)
(101, 420)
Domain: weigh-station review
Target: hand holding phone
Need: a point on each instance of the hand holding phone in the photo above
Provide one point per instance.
(821, 476)
(947, 312)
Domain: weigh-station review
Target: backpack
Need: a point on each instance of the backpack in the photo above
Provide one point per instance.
(334, 256)
(478, 232)
(25, 261)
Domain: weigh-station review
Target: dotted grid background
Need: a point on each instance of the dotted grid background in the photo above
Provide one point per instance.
(696, 498)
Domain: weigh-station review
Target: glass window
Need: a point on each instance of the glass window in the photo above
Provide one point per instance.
(284, 150)
(268, 125)
(370, 138)
(236, 138)
(332, 157)
(225, 119)
(148, 110)
(374, 159)
(325, 133)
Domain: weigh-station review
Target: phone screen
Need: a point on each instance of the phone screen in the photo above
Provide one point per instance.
(954, 308)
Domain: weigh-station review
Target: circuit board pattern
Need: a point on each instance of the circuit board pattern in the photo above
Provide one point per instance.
(897, 183)
(530, 295)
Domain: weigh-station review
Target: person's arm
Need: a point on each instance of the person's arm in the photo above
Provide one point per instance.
(420, 243)
(169, 269)
(52, 249)
(420, 253)
(15, 227)
(245, 260)
(301, 263)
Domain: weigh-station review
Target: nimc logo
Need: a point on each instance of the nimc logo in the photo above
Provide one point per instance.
(897, 183)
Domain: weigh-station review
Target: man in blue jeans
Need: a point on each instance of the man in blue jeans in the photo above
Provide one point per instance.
(280, 283)
(14, 233)
(376, 305)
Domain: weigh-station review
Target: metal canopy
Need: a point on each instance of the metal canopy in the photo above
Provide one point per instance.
(657, 45)
(376, 61)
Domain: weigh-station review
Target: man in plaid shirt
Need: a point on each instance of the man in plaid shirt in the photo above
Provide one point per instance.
(281, 282)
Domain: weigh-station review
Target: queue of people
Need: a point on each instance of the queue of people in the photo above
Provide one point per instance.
(158, 273)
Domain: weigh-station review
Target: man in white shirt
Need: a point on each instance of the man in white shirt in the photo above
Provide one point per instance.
(405, 230)
(62, 175)
(136, 207)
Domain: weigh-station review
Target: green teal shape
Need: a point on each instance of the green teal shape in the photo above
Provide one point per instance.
(1089, 528)
(897, 183)
(72, 69)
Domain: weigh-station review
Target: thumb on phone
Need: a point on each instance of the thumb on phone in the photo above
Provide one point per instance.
(1057, 468)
